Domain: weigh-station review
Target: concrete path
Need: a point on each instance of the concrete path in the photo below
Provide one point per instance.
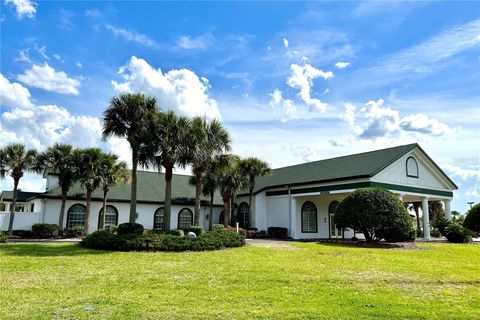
(73, 240)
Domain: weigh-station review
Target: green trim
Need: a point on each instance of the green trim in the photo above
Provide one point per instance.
(367, 184)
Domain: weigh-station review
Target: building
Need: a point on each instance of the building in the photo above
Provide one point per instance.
(301, 198)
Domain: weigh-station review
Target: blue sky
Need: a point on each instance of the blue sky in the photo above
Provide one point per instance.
(292, 81)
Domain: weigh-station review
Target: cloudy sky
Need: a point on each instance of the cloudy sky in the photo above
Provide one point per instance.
(293, 82)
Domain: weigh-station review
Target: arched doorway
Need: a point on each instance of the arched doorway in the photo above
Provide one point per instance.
(334, 231)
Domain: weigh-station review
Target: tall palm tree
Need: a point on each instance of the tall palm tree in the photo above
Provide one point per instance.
(230, 180)
(126, 116)
(15, 160)
(168, 138)
(253, 167)
(209, 138)
(112, 173)
(61, 160)
(90, 161)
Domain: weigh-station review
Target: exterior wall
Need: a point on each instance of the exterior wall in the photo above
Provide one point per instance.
(260, 211)
(22, 220)
(277, 212)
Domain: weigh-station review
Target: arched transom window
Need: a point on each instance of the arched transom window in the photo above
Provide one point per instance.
(111, 218)
(221, 218)
(159, 219)
(243, 215)
(412, 167)
(309, 217)
(76, 215)
(332, 207)
(185, 218)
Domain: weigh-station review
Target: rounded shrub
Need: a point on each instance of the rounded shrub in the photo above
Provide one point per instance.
(3, 237)
(472, 220)
(458, 234)
(195, 229)
(130, 228)
(377, 213)
(218, 227)
(45, 230)
(74, 232)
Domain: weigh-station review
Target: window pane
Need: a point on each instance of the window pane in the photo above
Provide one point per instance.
(185, 217)
(243, 216)
(111, 219)
(309, 217)
(159, 219)
(76, 215)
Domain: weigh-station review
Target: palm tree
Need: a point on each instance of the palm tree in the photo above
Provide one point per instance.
(168, 138)
(126, 116)
(253, 167)
(112, 173)
(209, 138)
(15, 160)
(230, 180)
(61, 160)
(90, 161)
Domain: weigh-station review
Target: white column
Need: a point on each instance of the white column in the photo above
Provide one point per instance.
(293, 217)
(448, 211)
(426, 219)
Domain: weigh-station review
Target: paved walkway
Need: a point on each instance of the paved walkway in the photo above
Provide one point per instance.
(73, 240)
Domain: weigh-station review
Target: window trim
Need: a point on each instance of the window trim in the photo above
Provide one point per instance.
(100, 212)
(316, 217)
(178, 217)
(154, 214)
(68, 213)
(406, 167)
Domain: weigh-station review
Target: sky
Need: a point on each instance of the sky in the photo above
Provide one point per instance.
(292, 81)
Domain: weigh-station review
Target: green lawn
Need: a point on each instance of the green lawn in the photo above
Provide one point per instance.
(294, 281)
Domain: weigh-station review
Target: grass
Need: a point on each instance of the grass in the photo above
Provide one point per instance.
(291, 281)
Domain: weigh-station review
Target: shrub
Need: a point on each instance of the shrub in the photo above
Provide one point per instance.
(277, 232)
(3, 237)
(22, 233)
(472, 220)
(74, 232)
(441, 223)
(195, 229)
(376, 212)
(45, 230)
(457, 234)
(241, 231)
(218, 227)
(176, 232)
(129, 228)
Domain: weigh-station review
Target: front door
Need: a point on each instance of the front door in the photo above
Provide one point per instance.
(334, 231)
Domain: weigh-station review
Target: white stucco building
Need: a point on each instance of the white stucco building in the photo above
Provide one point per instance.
(301, 198)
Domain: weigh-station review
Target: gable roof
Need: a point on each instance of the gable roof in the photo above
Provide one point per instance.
(355, 166)
(150, 189)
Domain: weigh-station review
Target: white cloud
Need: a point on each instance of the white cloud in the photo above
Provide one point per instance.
(201, 42)
(182, 90)
(464, 173)
(342, 65)
(14, 94)
(133, 36)
(373, 121)
(45, 77)
(301, 77)
(288, 107)
(23, 56)
(23, 8)
(79, 64)
(285, 42)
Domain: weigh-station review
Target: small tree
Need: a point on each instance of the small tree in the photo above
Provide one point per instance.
(15, 160)
(376, 212)
(472, 220)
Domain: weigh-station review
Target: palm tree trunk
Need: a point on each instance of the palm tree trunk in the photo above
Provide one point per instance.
(87, 211)
(168, 196)
(133, 193)
(198, 194)
(104, 208)
(62, 209)
(226, 211)
(210, 215)
(14, 204)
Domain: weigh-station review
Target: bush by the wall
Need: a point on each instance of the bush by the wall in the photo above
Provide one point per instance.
(176, 232)
(195, 229)
(130, 228)
(74, 232)
(458, 234)
(277, 232)
(472, 219)
(45, 230)
(3, 237)
(103, 239)
(218, 227)
(377, 213)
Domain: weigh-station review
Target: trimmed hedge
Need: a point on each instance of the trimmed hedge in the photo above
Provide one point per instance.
(277, 232)
(3, 237)
(74, 232)
(45, 230)
(195, 229)
(472, 220)
(457, 234)
(176, 232)
(214, 240)
(130, 228)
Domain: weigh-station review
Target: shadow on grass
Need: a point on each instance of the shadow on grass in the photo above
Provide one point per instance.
(46, 250)
(371, 245)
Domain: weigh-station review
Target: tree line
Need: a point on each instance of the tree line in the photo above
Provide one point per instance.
(159, 140)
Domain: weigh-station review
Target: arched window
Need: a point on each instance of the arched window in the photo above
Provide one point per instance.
(221, 218)
(309, 218)
(412, 167)
(185, 218)
(76, 215)
(159, 219)
(243, 214)
(111, 218)
(332, 207)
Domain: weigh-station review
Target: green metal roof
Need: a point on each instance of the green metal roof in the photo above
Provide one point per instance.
(22, 196)
(355, 166)
(150, 189)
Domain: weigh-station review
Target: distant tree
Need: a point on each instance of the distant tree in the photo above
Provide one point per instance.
(112, 173)
(472, 219)
(127, 116)
(60, 159)
(253, 167)
(15, 160)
